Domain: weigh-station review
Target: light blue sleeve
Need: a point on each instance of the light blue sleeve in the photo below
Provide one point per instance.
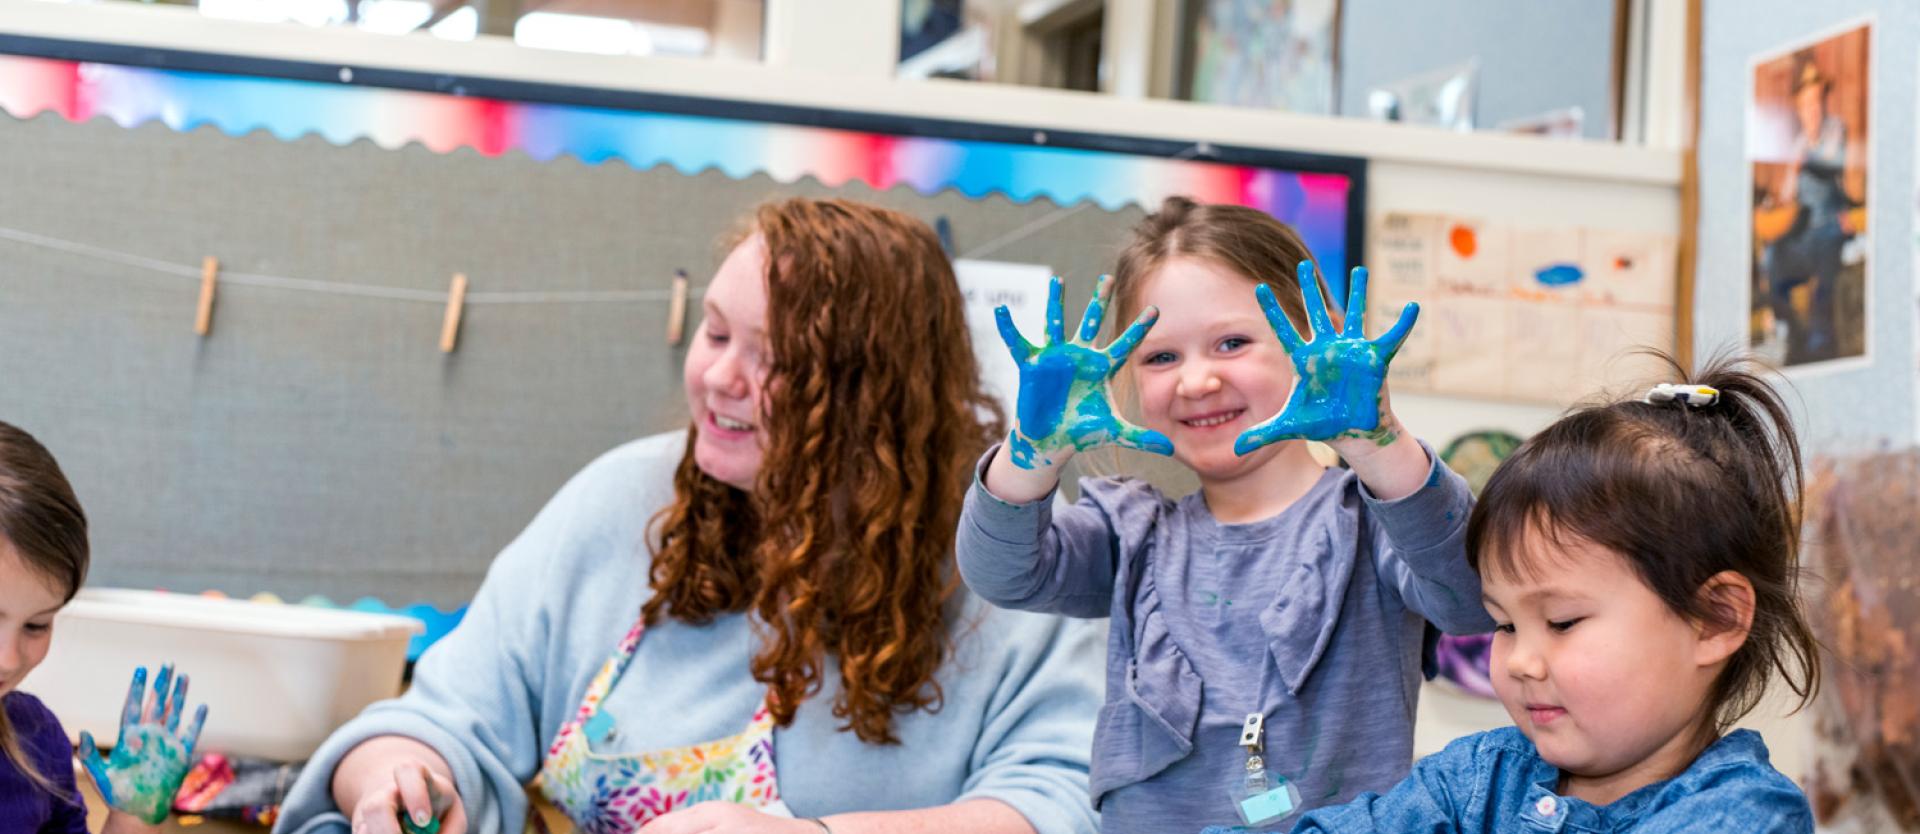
(1734, 800)
(475, 693)
(1036, 739)
(1430, 800)
(1033, 558)
(1688, 818)
(1420, 547)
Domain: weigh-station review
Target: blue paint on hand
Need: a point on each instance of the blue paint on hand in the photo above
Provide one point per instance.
(1045, 383)
(1559, 275)
(1339, 375)
(1064, 405)
(152, 756)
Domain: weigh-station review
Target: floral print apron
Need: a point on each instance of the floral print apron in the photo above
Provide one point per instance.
(616, 793)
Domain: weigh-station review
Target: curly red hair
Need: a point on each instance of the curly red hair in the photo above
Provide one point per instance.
(874, 416)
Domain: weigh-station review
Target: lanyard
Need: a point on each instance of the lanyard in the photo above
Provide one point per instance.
(1253, 732)
(1262, 797)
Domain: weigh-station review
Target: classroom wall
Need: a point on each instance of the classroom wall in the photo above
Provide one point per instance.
(320, 443)
(1843, 409)
(1865, 405)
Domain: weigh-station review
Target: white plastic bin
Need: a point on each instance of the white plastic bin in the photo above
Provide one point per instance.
(276, 679)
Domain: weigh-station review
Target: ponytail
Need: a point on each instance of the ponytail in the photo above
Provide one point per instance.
(1685, 489)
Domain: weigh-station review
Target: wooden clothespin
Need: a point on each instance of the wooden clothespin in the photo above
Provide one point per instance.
(456, 298)
(677, 308)
(209, 279)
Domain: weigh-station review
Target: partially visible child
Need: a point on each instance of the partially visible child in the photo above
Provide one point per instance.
(1265, 648)
(43, 561)
(1640, 560)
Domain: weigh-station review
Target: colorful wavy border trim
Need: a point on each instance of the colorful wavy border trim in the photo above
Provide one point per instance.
(1314, 203)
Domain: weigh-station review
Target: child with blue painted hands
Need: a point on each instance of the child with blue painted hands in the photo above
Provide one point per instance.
(1267, 631)
(43, 560)
(1640, 559)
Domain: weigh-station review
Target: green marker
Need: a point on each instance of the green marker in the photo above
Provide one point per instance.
(406, 824)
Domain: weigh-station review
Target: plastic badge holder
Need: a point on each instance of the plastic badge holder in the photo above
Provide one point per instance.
(1265, 798)
(1262, 797)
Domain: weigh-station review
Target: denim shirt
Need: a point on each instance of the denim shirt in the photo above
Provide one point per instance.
(1496, 781)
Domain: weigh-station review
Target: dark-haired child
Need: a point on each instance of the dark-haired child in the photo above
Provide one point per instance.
(1639, 560)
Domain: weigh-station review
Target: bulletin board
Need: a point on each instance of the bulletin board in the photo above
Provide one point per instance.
(316, 441)
(1523, 312)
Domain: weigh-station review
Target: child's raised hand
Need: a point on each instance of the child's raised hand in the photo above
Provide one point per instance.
(1336, 392)
(1064, 405)
(153, 754)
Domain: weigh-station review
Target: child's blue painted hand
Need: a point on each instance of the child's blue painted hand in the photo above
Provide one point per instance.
(1336, 392)
(1064, 405)
(153, 755)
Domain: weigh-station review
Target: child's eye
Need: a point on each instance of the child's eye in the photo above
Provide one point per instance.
(1161, 358)
(38, 628)
(716, 338)
(1233, 343)
(1562, 625)
(1503, 628)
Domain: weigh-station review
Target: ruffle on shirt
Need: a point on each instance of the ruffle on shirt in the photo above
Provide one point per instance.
(1159, 708)
(1151, 722)
(1152, 708)
(1307, 611)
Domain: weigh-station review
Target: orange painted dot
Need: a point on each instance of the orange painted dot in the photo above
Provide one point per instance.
(1463, 240)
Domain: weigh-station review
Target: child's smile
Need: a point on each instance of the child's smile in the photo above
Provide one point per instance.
(1211, 367)
(1212, 419)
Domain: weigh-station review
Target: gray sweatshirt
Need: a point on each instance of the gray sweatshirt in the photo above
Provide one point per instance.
(1012, 725)
(1315, 617)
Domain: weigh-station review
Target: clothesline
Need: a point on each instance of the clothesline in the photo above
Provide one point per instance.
(256, 279)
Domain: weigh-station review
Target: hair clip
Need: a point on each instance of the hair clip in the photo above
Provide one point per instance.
(1698, 396)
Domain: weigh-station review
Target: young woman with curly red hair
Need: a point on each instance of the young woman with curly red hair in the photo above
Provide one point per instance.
(796, 643)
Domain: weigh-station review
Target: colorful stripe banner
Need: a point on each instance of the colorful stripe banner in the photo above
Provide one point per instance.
(1317, 204)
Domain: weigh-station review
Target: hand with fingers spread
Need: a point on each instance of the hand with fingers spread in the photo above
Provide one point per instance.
(1064, 405)
(152, 755)
(1339, 375)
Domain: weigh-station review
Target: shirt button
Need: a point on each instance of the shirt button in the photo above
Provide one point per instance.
(1546, 806)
